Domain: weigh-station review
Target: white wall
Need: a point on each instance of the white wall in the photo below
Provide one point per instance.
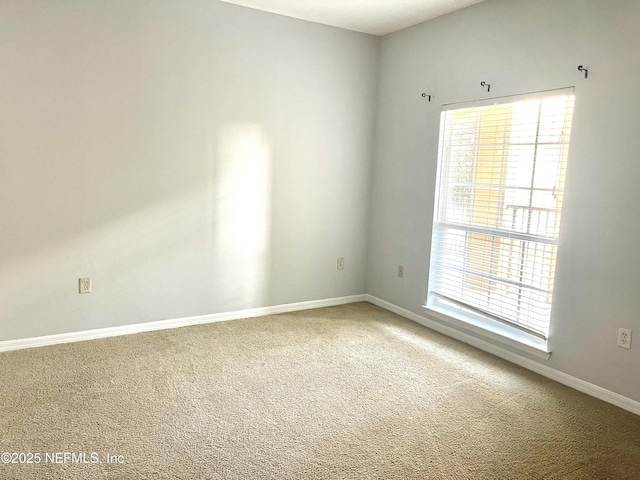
(191, 156)
(520, 46)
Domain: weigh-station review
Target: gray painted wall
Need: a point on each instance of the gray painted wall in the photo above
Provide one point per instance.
(520, 46)
(191, 157)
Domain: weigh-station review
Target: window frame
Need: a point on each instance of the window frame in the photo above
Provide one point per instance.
(466, 316)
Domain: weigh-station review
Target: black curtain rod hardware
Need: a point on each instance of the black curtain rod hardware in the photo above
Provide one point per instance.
(429, 97)
(485, 84)
(584, 69)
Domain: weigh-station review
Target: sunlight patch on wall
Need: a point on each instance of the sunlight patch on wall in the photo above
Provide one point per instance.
(242, 215)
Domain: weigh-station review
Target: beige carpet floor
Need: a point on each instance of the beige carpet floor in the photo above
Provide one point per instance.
(342, 392)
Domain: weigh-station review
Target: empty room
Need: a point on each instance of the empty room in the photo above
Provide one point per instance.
(291, 239)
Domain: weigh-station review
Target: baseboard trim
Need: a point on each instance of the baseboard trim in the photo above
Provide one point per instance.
(583, 386)
(21, 344)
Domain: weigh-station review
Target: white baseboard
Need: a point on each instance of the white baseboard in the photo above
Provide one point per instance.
(608, 396)
(70, 337)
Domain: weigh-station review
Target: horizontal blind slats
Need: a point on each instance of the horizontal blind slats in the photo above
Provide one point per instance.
(500, 187)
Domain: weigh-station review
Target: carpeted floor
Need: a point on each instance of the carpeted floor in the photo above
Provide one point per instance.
(342, 392)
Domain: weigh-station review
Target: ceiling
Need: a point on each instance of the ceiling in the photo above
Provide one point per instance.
(377, 17)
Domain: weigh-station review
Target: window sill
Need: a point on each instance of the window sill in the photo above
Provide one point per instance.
(488, 329)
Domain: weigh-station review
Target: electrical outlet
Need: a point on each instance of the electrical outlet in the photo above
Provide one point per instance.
(84, 285)
(400, 271)
(624, 338)
(340, 263)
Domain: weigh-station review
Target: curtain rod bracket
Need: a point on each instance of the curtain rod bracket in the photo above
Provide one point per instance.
(429, 97)
(485, 84)
(584, 69)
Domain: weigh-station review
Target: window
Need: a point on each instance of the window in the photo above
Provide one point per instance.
(501, 171)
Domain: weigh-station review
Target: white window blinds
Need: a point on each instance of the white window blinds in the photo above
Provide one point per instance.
(501, 171)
